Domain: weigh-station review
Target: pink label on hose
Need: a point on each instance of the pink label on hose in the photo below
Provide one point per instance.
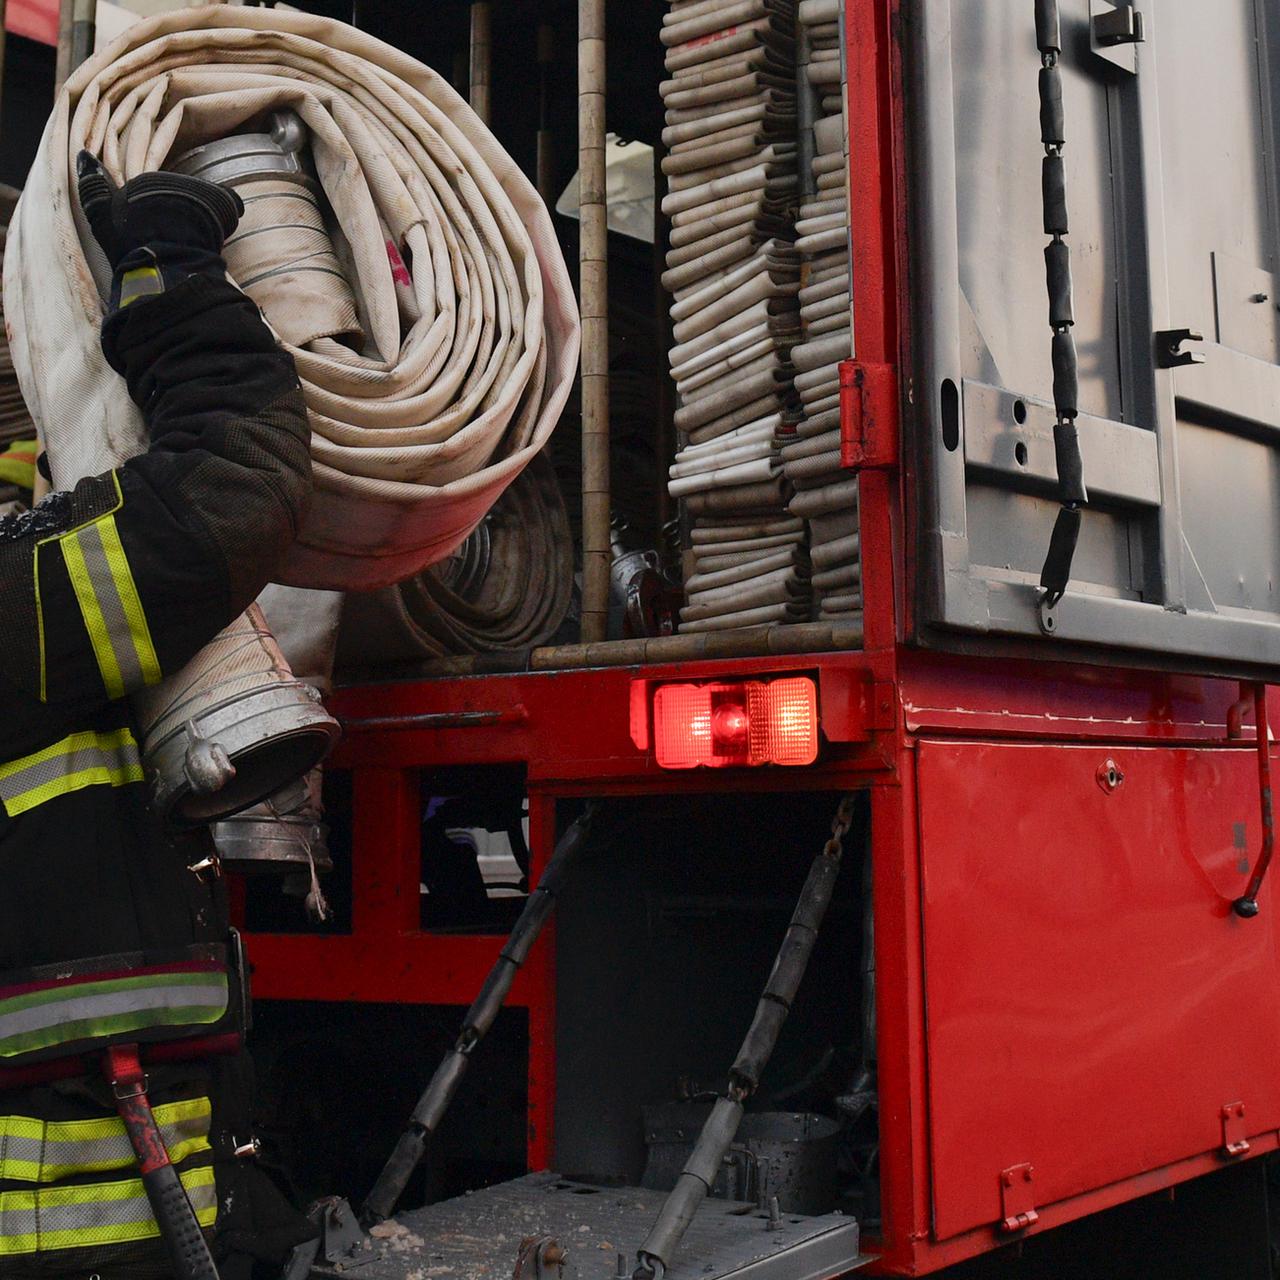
(711, 39)
(399, 272)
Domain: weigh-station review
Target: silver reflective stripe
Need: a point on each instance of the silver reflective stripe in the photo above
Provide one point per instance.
(92, 1215)
(33, 1150)
(115, 1006)
(82, 759)
(110, 605)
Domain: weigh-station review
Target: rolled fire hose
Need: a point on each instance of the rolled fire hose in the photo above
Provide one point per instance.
(508, 587)
(735, 278)
(461, 289)
(462, 353)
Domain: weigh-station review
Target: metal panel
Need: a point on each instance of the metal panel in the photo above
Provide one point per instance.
(478, 1237)
(1092, 1002)
(1171, 187)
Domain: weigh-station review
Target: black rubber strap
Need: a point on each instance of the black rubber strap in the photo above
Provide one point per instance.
(1062, 549)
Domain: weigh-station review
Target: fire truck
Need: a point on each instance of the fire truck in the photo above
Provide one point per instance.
(1037, 1031)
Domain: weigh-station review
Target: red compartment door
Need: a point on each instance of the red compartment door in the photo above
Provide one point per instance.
(1092, 1001)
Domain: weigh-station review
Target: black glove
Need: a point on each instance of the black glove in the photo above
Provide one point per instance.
(157, 229)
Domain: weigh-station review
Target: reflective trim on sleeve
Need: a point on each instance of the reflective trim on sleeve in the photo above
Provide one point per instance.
(110, 605)
(33, 1150)
(139, 282)
(81, 760)
(107, 595)
(94, 1215)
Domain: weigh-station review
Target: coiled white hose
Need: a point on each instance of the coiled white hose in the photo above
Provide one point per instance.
(472, 331)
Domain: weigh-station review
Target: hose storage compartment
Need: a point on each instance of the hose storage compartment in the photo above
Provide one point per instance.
(461, 290)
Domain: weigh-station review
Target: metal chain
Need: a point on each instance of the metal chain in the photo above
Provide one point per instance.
(840, 824)
(1072, 493)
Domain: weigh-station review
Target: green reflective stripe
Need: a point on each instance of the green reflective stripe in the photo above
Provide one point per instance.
(72, 1012)
(33, 1150)
(110, 606)
(80, 760)
(84, 1217)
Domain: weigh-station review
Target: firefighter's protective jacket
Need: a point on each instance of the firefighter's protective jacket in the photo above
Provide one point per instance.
(104, 931)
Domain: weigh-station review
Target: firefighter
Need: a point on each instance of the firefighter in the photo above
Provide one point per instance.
(113, 932)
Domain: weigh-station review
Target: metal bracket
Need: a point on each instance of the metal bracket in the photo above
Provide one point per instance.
(852, 706)
(1018, 1199)
(1114, 31)
(1169, 352)
(341, 1242)
(1235, 1141)
(868, 416)
(539, 1258)
(1122, 25)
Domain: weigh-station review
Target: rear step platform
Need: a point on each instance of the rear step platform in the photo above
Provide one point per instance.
(479, 1236)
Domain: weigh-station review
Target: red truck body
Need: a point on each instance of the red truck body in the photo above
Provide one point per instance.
(1069, 1013)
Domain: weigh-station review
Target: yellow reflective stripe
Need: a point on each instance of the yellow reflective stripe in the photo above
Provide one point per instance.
(130, 601)
(91, 612)
(69, 1147)
(127, 1223)
(77, 761)
(18, 463)
(35, 574)
(139, 282)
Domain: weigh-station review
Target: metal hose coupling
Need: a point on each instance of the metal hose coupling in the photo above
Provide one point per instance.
(282, 254)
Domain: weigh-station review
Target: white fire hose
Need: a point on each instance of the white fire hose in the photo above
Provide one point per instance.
(735, 278)
(431, 383)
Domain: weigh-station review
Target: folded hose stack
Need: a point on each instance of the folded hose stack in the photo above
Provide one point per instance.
(733, 272)
(825, 497)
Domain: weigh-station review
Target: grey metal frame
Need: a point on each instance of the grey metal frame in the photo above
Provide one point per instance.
(1156, 601)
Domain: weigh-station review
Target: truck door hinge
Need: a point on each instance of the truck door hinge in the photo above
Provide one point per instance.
(868, 416)
(1018, 1199)
(1235, 1141)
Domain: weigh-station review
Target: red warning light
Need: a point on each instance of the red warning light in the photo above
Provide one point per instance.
(750, 722)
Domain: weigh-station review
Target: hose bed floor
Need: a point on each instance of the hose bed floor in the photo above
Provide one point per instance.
(477, 1236)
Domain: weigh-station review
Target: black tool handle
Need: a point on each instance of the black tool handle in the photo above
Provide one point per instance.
(188, 1250)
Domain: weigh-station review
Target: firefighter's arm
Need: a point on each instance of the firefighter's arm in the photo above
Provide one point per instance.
(135, 570)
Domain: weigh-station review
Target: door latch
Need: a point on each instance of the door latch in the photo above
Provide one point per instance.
(1169, 348)
(1235, 1141)
(1018, 1199)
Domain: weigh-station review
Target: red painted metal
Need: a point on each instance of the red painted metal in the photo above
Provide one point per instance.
(868, 416)
(1092, 999)
(1247, 905)
(874, 211)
